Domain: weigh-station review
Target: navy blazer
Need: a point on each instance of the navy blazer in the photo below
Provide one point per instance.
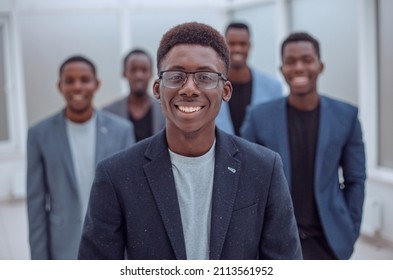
(340, 148)
(134, 208)
(54, 210)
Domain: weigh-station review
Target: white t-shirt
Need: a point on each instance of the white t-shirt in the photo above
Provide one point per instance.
(194, 187)
(82, 139)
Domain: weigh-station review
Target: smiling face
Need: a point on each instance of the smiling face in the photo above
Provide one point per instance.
(238, 41)
(301, 68)
(78, 84)
(190, 110)
(138, 73)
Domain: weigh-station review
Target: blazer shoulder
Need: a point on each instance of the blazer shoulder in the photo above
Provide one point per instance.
(270, 108)
(113, 120)
(132, 157)
(115, 105)
(262, 76)
(47, 123)
(340, 108)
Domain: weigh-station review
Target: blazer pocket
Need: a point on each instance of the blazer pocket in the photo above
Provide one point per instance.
(245, 208)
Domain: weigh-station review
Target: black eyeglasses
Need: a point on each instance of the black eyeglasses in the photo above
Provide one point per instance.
(202, 79)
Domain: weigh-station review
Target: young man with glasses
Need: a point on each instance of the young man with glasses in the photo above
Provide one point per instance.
(191, 191)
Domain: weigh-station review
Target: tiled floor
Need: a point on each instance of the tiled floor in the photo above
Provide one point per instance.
(14, 236)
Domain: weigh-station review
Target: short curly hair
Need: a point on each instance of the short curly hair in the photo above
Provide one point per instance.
(301, 36)
(193, 33)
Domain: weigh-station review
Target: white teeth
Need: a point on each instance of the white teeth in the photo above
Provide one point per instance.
(189, 109)
(237, 56)
(299, 80)
(78, 97)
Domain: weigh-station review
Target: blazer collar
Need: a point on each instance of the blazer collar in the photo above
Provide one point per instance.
(226, 177)
(162, 184)
(60, 132)
(102, 134)
(282, 138)
(280, 120)
(326, 116)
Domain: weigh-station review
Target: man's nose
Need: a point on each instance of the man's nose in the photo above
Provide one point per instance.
(77, 85)
(189, 87)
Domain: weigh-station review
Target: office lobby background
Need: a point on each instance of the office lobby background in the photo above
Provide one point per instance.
(356, 47)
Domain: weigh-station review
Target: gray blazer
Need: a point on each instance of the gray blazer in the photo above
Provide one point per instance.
(120, 108)
(54, 210)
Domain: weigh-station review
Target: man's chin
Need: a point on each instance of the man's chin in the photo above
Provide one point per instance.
(237, 65)
(139, 93)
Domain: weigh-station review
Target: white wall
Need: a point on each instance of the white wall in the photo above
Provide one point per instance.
(334, 24)
(262, 20)
(44, 32)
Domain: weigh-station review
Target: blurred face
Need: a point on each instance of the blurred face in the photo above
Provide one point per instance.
(189, 109)
(138, 73)
(301, 67)
(78, 84)
(238, 41)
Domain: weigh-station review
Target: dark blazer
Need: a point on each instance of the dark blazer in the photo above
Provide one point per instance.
(120, 108)
(340, 147)
(134, 207)
(54, 210)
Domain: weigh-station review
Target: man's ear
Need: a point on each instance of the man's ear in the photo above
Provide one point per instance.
(321, 67)
(98, 84)
(226, 96)
(156, 89)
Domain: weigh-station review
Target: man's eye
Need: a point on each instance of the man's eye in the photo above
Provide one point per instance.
(205, 77)
(176, 78)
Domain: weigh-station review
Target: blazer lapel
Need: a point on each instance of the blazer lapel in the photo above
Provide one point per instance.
(160, 177)
(101, 137)
(325, 117)
(226, 177)
(61, 136)
(280, 126)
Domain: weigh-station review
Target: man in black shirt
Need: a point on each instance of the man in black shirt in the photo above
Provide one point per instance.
(317, 137)
(250, 86)
(139, 107)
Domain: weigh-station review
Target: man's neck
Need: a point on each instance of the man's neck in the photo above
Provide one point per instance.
(190, 144)
(239, 75)
(138, 99)
(79, 117)
(138, 106)
(306, 102)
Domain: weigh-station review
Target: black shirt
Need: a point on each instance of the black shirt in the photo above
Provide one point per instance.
(303, 137)
(142, 127)
(241, 98)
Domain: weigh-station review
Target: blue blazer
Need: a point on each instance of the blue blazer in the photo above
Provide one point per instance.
(264, 88)
(340, 147)
(54, 211)
(134, 209)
